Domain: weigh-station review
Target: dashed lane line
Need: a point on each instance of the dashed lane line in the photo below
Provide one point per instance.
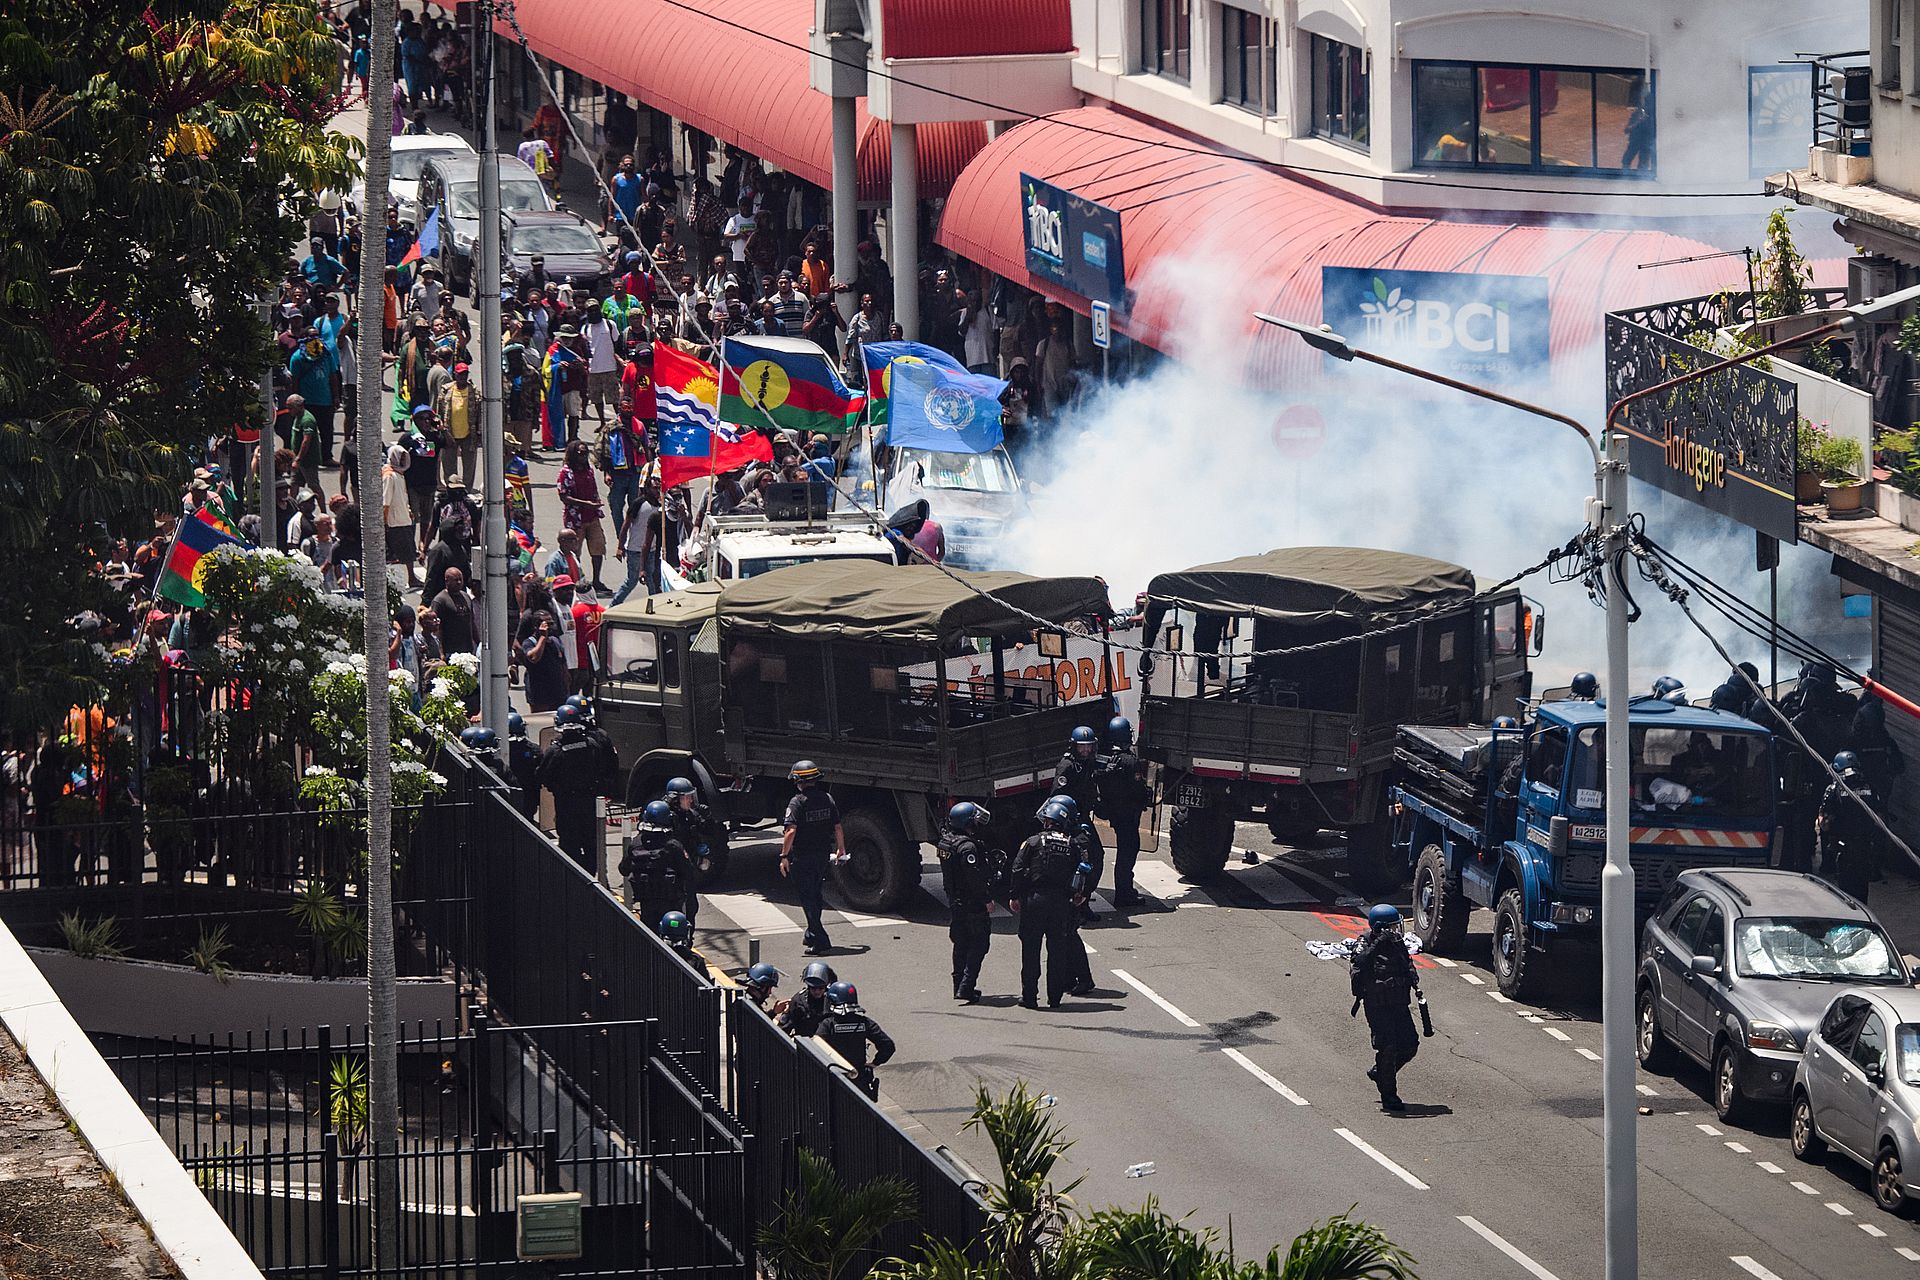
(1494, 1238)
(1497, 998)
(1753, 1268)
(1154, 996)
(1475, 979)
(1806, 1190)
(1445, 963)
(1560, 1035)
(1839, 1208)
(1264, 1077)
(1740, 1148)
(1709, 1130)
(1871, 1230)
(1164, 883)
(1373, 1153)
(1907, 1253)
(1647, 1090)
(1769, 1166)
(1586, 1053)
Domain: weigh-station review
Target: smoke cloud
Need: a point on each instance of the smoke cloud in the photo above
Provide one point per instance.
(1186, 466)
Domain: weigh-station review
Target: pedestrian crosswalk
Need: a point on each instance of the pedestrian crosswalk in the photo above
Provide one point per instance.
(758, 916)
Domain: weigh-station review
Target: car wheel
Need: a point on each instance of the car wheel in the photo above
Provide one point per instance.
(1728, 1102)
(1889, 1182)
(1650, 1043)
(1806, 1141)
(1510, 968)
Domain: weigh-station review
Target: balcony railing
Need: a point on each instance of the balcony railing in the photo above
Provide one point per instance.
(1842, 102)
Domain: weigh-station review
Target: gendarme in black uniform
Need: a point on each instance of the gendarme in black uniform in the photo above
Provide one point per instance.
(659, 872)
(1849, 840)
(850, 1029)
(1077, 777)
(1042, 881)
(811, 820)
(1123, 798)
(1384, 980)
(973, 876)
(572, 769)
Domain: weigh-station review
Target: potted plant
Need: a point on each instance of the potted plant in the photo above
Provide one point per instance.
(1806, 476)
(1898, 499)
(1839, 460)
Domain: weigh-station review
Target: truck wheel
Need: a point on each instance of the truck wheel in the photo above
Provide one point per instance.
(1510, 944)
(882, 866)
(1295, 821)
(1200, 840)
(1440, 910)
(1372, 861)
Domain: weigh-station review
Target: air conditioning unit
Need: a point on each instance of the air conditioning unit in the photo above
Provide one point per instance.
(1871, 277)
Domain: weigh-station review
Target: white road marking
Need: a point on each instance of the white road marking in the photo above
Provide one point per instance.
(1260, 1074)
(1558, 1034)
(1586, 1053)
(1908, 1254)
(1444, 963)
(930, 881)
(1708, 1129)
(1739, 1147)
(1805, 1190)
(1270, 883)
(1493, 1238)
(753, 913)
(1533, 1017)
(1498, 998)
(1870, 1229)
(1839, 1208)
(1475, 979)
(859, 919)
(1646, 1090)
(1164, 883)
(1769, 1166)
(1381, 1160)
(1154, 996)
(1753, 1268)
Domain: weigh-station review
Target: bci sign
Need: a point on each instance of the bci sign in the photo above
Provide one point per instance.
(1483, 327)
(1073, 242)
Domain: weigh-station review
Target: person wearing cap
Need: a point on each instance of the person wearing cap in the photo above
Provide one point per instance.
(413, 366)
(425, 440)
(322, 270)
(303, 523)
(789, 304)
(425, 294)
(296, 427)
(603, 360)
(458, 408)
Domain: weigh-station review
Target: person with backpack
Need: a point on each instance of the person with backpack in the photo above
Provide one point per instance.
(1383, 978)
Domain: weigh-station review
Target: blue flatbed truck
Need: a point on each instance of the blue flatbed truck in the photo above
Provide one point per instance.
(1513, 819)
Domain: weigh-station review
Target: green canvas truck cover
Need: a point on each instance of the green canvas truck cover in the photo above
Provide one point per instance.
(908, 604)
(1313, 586)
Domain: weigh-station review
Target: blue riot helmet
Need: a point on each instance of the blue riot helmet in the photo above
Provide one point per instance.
(842, 995)
(967, 816)
(1383, 915)
(477, 737)
(1666, 685)
(1120, 731)
(763, 976)
(1586, 685)
(516, 726)
(677, 929)
(818, 974)
(1505, 722)
(581, 704)
(1060, 812)
(677, 787)
(658, 813)
(1083, 737)
(564, 715)
(1846, 764)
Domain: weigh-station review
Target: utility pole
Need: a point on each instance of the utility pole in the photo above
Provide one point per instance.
(1619, 1105)
(383, 1030)
(493, 438)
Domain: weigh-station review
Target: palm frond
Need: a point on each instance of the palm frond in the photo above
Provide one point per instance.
(1342, 1248)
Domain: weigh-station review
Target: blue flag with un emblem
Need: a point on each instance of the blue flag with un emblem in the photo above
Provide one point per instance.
(936, 408)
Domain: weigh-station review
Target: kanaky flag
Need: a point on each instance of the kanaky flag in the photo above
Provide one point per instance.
(428, 242)
(180, 578)
(687, 408)
(766, 383)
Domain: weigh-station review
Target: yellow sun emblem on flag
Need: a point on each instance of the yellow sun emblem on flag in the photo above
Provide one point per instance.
(886, 374)
(765, 384)
(704, 390)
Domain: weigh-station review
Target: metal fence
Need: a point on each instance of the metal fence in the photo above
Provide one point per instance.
(790, 1094)
(272, 1129)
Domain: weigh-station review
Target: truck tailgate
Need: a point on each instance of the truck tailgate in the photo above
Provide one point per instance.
(1245, 739)
(1012, 754)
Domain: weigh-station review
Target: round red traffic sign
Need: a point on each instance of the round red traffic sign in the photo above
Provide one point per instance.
(1298, 431)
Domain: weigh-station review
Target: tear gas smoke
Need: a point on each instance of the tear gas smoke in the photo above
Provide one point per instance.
(1187, 466)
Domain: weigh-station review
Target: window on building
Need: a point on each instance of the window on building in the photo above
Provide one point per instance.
(1547, 119)
(1339, 91)
(1891, 22)
(1249, 76)
(1166, 38)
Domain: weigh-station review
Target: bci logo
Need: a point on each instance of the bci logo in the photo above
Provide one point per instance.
(1045, 228)
(1434, 325)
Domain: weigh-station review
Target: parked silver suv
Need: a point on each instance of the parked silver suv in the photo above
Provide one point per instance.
(1736, 968)
(1858, 1090)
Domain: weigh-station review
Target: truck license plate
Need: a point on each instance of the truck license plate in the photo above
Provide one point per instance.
(1190, 795)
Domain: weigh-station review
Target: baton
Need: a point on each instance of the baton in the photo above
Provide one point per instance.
(1426, 1017)
(1355, 1011)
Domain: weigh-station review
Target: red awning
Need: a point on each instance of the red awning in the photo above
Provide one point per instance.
(1197, 223)
(713, 66)
(974, 28)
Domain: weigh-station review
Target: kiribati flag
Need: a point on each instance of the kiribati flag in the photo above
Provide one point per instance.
(686, 393)
(766, 384)
(192, 540)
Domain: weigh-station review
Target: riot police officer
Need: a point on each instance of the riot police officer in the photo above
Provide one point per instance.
(571, 770)
(1383, 978)
(1042, 883)
(1824, 715)
(849, 1029)
(1849, 838)
(804, 1012)
(657, 868)
(483, 742)
(1585, 687)
(973, 875)
(704, 836)
(813, 835)
(677, 932)
(761, 982)
(602, 741)
(1123, 798)
(523, 763)
(1077, 777)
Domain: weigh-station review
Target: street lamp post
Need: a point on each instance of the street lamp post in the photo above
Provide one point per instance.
(1607, 516)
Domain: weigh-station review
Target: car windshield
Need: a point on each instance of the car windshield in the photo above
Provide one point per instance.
(754, 568)
(984, 472)
(408, 163)
(1906, 1040)
(1682, 773)
(559, 238)
(514, 196)
(1805, 947)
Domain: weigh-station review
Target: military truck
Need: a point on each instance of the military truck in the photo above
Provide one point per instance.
(1514, 819)
(868, 670)
(1304, 740)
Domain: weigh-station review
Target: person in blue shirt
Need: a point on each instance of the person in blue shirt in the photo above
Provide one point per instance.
(400, 237)
(311, 371)
(322, 270)
(628, 189)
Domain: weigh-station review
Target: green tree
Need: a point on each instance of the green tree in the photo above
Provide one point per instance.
(825, 1225)
(155, 159)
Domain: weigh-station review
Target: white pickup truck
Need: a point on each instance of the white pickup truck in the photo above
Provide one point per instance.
(747, 545)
